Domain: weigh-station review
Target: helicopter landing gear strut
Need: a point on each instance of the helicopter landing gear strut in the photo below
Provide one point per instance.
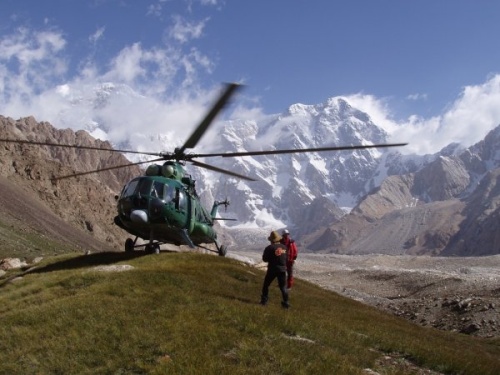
(222, 250)
(149, 248)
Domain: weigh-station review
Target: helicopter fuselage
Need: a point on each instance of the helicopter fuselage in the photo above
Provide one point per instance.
(164, 209)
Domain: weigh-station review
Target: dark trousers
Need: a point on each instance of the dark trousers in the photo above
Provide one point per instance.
(270, 276)
(289, 271)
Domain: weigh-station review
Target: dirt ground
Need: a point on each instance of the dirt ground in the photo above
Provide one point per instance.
(453, 294)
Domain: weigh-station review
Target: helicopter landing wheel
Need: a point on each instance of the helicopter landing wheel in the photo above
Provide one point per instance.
(129, 245)
(152, 248)
(156, 248)
(223, 250)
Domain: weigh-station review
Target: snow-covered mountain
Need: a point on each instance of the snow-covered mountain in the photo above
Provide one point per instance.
(290, 187)
(329, 199)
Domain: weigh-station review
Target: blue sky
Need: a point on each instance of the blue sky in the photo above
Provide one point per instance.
(428, 71)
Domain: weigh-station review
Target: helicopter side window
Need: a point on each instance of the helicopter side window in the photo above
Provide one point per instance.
(157, 189)
(180, 200)
(169, 193)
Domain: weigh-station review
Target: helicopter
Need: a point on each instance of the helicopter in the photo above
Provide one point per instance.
(162, 206)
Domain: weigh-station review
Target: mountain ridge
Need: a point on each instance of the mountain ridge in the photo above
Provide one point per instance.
(318, 195)
(453, 200)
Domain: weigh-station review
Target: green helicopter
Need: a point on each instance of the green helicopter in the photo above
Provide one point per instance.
(163, 207)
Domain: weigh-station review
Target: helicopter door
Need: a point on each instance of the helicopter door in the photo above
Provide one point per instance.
(157, 200)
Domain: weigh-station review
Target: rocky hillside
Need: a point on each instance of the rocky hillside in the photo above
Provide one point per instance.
(78, 211)
(450, 206)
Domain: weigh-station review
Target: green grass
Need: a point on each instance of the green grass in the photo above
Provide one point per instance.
(22, 242)
(185, 313)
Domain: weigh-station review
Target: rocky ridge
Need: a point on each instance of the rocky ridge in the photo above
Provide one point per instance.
(33, 203)
(450, 206)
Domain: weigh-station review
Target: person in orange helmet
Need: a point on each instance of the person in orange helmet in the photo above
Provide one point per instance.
(275, 256)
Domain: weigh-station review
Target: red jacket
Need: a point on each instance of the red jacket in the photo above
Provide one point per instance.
(291, 248)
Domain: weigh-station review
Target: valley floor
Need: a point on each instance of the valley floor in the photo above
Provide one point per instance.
(452, 293)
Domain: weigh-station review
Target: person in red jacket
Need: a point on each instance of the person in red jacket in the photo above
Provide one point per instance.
(292, 252)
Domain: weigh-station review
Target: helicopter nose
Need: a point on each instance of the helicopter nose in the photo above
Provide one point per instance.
(139, 217)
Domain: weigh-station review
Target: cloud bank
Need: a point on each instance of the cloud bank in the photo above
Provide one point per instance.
(467, 120)
(156, 90)
(162, 90)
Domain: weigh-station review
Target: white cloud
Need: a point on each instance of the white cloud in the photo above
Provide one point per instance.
(377, 108)
(29, 47)
(94, 38)
(29, 62)
(417, 96)
(154, 10)
(34, 81)
(473, 114)
(168, 98)
(183, 30)
(127, 65)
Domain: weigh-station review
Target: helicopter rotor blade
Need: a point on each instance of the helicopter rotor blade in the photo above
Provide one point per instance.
(207, 121)
(297, 150)
(220, 170)
(104, 169)
(20, 141)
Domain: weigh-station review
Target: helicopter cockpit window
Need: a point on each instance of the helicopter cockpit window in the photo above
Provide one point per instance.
(145, 186)
(130, 188)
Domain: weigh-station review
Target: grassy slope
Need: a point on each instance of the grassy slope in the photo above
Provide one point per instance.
(188, 313)
(21, 242)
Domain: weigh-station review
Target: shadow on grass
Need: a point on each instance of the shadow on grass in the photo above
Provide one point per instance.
(82, 261)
